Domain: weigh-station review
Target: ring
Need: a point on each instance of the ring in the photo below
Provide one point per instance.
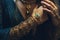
(37, 15)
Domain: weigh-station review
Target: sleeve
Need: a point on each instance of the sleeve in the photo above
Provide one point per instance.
(4, 33)
(22, 29)
(17, 31)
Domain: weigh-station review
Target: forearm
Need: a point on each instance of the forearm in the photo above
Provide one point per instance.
(22, 28)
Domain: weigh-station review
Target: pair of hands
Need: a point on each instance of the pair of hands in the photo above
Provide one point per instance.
(47, 6)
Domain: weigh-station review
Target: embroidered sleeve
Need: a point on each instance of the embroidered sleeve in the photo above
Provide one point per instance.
(22, 29)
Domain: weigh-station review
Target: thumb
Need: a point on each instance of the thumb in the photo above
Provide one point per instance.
(40, 9)
(35, 9)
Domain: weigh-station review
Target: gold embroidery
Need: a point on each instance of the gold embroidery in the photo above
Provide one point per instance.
(22, 29)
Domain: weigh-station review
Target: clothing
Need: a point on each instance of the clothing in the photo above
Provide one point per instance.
(12, 17)
(8, 19)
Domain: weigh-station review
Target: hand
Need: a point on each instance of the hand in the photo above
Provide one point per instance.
(50, 7)
(52, 10)
(38, 15)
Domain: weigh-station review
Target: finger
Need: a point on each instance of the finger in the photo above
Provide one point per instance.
(47, 5)
(34, 11)
(51, 3)
(49, 11)
(40, 9)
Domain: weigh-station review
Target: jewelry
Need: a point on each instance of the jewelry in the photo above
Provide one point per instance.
(28, 5)
(37, 18)
(37, 15)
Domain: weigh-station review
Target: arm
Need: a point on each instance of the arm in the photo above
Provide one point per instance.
(22, 29)
(18, 30)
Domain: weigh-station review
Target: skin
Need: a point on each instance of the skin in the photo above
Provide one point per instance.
(50, 7)
(25, 27)
(52, 10)
(23, 9)
(34, 9)
(47, 6)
